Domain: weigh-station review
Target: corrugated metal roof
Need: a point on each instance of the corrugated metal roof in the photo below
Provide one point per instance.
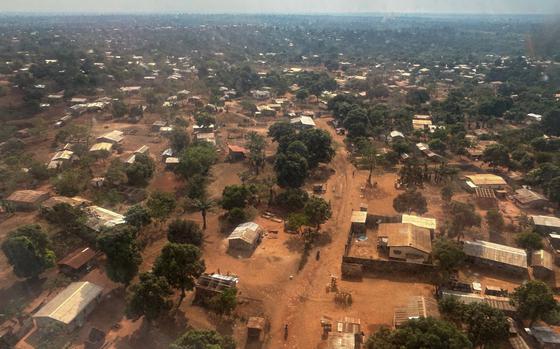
(417, 307)
(486, 179)
(248, 232)
(406, 234)
(546, 221)
(359, 217)
(69, 303)
(28, 196)
(496, 252)
(421, 222)
(101, 146)
(526, 196)
(502, 303)
(542, 258)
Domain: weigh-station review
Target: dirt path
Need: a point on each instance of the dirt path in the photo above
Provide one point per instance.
(304, 295)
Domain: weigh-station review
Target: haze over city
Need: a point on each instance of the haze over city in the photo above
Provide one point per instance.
(287, 6)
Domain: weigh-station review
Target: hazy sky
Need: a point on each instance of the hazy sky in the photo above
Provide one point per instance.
(286, 6)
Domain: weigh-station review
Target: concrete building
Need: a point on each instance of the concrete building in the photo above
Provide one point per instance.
(303, 122)
(70, 307)
(405, 241)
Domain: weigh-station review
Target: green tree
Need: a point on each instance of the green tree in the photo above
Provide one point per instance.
(160, 205)
(295, 221)
(553, 189)
(181, 265)
(235, 196)
(256, 145)
(196, 159)
(411, 200)
(463, 216)
(368, 156)
(282, 132)
(317, 210)
(551, 122)
(28, 251)
(420, 334)
(71, 182)
(137, 216)
(203, 339)
(178, 139)
(319, 146)
(302, 94)
(123, 255)
(485, 325)
(203, 205)
(225, 302)
(291, 170)
(496, 155)
(119, 109)
(116, 173)
(448, 255)
(141, 171)
(149, 298)
(237, 215)
(446, 193)
(534, 300)
(182, 231)
(495, 220)
(529, 240)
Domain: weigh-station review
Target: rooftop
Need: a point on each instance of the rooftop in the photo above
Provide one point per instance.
(27, 196)
(546, 221)
(486, 179)
(99, 217)
(527, 196)
(496, 252)
(359, 217)
(78, 258)
(406, 234)
(421, 222)
(69, 303)
(248, 232)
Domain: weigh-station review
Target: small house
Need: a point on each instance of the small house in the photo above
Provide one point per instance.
(502, 257)
(208, 137)
(112, 137)
(417, 307)
(546, 224)
(99, 218)
(526, 198)
(24, 200)
(245, 237)
(255, 327)
(542, 264)
(545, 336)
(101, 147)
(405, 241)
(157, 125)
(61, 159)
(209, 285)
(303, 122)
(359, 219)
(237, 153)
(171, 162)
(70, 307)
(77, 262)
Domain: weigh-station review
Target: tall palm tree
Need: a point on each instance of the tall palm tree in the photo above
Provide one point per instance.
(203, 205)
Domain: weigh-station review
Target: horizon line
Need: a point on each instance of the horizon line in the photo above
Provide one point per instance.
(305, 13)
